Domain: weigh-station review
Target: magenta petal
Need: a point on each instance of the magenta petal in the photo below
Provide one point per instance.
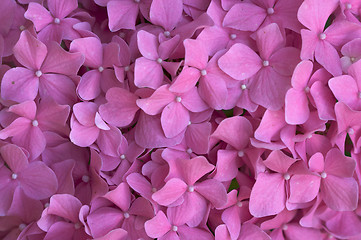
(245, 17)
(38, 181)
(83, 136)
(166, 15)
(214, 191)
(60, 230)
(14, 157)
(197, 137)
(250, 231)
(193, 169)
(19, 84)
(316, 163)
(140, 184)
(122, 14)
(85, 113)
(339, 194)
(109, 141)
(304, 188)
(227, 165)
(148, 45)
(240, 62)
(279, 162)
(111, 218)
(29, 51)
(120, 196)
(157, 226)
(222, 233)
(268, 195)
(338, 164)
(157, 101)
(269, 39)
(301, 75)
(213, 90)
(148, 73)
(309, 42)
(296, 107)
(174, 119)
(38, 15)
(25, 109)
(328, 57)
(345, 90)
(196, 54)
(193, 102)
(91, 48)
(186, 80)
(32, 139)
(116, 234)
(66, 206)
(18, 126)
(59, 87)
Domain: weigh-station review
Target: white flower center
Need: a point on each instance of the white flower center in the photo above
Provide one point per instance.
(122, 34)
(178, 99)
(126, 68)
(77, 225)
(348, 5)
(350, 131)
(166, 33)
(46, 205)
(137, 1)
(85, 178)
(240, 153)
(35, 123)
(38, 73)
(22, 226)
(159, 60)
(189, 151)
(322, 36)
(265, 63)
(14, 176)
(233, 36)
(190, 189)
(174, 228)
(204, 72)
(352, 59)
(100, 69)
(239, 204)
(56, 20)
(285, 227)
(244, 86)
(189, 123)
(307, 89)
(126, 215)
(122, 156)
(323, 175)
(22, 28)
(154, 189)
(270, 11)
(286, 176)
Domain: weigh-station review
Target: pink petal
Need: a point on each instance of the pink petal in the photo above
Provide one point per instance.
(272, 122)
(60, 61)
(121, 107)
(213, 91)
(116, 234)
(59, 87)
(227, 165)
(99, 122)
(83, 136)
(240, 62)
(85, 113)
(91, 48)
(148, 73)
(120, 196)
(29, 51)
(38, 15)
(221, 233)
(157, 226)
(251, 231)
(186, 80)
(269, 39)
(245, 17)
(296, 107)
(111, 218)
(122, 14)
(192, 170)
(166, 48)
(60, 230)
(314, 13)
(66, 206)
(301, 75)
(155, 103)
(285, 60)
(19, 84)
(89, 86)
(268, 195)
(25, 109)
(140, 184)
(148, 45)
(170, 192)
(338, 164)
(328, 57)
(166, 15)
(18, 126)
(193, 102)
(339, 194)
(213, 191)
(228, 126)
(346, 90)
(38, 181)
(309, 42)
(61, 9)
(195, 55)
(197, 137)
(174, 119)
(304, 188)
(279, 162)
(324, 100)
(14, 157)
(316, 163)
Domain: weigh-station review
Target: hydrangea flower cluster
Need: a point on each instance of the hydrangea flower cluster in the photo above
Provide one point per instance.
(180, 119)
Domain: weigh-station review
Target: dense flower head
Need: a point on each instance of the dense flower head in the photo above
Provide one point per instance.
(180, 119)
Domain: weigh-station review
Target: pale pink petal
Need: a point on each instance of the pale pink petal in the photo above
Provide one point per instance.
(328, 57)
(316, 163)
(58, 87)
(66, 206)
(120, 196)
(155, 103)
(227, 165)
(196, 54)
(174, 119)
(166, 15)
(250, 231)
(245, 17)
(32, 139)
(89, 86)
(240, 62)
(148, 45)
(19, 84)
(186, 80)
(304, 188)
(38, 15)
(338, 164)
(38, 181)
(193, 102)
(279, 162)
(296, 107)
(83, 136)
(339, 194)
(213, 190)
(91, 48)
(122, 14)
(148, 73)
(269, 39)
(301, 75)
(85, 113)
(61, 9)
(157, 226)
(309, 42)
(14, 157)
(345, 90)
(213, 91)
(268, 195)
(25, 109)
(170, 192)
